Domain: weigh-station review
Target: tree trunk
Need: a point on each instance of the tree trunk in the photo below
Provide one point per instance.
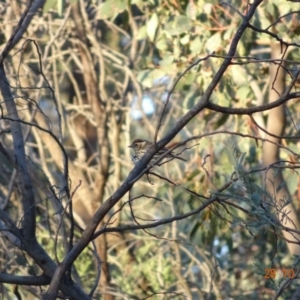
(275, 126)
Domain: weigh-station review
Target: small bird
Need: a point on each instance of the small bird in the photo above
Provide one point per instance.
(140, 147)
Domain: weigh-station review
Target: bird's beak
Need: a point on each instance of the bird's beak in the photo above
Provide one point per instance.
(130, 146)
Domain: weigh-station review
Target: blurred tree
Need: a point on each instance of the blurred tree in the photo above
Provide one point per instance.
(216, 82)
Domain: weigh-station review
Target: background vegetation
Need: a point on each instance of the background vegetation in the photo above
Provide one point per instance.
(217, 81)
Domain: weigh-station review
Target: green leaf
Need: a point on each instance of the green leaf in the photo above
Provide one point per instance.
(190, 99)
(151, 27)
(229, 33)
(147, 77)
(214, 42)
(111, 8)
(162, 44)
(144, 78)
(196, 46)
(138, 3)
(243, 93)
(48, 5)
(207, 8)
(192, 174)
(191, 10)
(181, 24)
(167, 60)
(270, 8)
(190, 78)
(221, 121)
(185, 39)
(239, 75)
(256, 198)
(60, 7)
(292, 182)
(142, 33)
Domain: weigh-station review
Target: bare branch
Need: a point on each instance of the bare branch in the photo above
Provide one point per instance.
(24, 21)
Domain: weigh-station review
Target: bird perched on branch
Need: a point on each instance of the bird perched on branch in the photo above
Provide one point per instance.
(140, 147)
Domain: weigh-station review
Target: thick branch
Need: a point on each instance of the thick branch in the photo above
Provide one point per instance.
(248, 111)
(24, 280)
(23, 23)
(23, 177)
(157, 223)
(29, 243)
